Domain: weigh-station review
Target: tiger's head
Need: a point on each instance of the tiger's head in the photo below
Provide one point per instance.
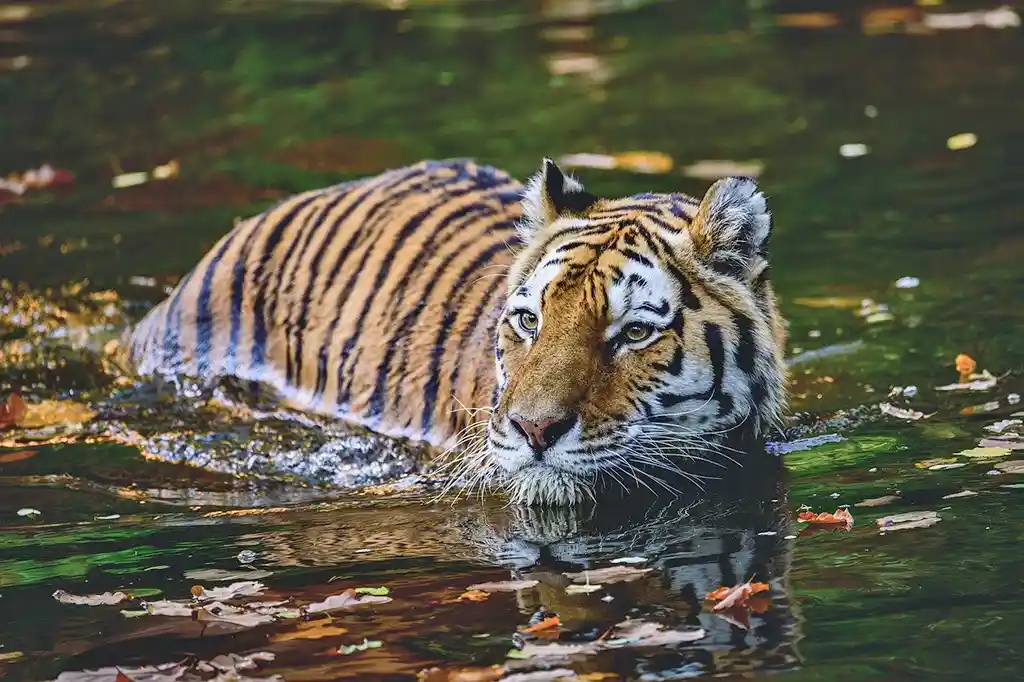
(637, 334)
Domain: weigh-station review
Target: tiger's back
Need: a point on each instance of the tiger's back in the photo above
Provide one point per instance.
(375, 300)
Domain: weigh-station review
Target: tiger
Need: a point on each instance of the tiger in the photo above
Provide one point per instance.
(557, 342)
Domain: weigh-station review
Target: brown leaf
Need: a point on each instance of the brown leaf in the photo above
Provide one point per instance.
(878, 501)
(317, 629)
(491, 674)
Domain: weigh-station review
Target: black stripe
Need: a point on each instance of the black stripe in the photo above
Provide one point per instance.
(204, 316)
(172, 346)
(397, 244)
(437, 349)
(467, 214)
(260, 320)
(357, 238)
(471, 326)
(237, 291)
(716, 350)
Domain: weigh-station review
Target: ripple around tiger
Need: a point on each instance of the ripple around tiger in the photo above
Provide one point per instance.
(556, 344)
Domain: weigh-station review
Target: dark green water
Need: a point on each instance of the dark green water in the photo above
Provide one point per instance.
(257, 100)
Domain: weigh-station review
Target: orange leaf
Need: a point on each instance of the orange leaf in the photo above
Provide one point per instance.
(736, 596)
(469, 595)
(121, 677)
(965, 364)
(841, 517)
(16, 456)
(546, 624)
(311, 630)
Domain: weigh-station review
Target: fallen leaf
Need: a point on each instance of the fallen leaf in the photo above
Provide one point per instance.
(582, 589)
(347, 649)
(611, 574)
(12, 411)
(374, 591)
(644, 162)
(736, 596)
(840, 517)
(630, 560)
(469, 595)
(961, 141)
(10, 656)
(997, 443)
(546, 624)
(878, 501)
(16, 455)
(985, 452)
(909, 520)
(346, 599)
(1002, 425)
(962, 493)
(902, 413)
(630, 633)
(965, 365)
(216, 612)
(56, 412)
(503, 586)
(29, 511)
(121, 677)
(248, 588)
(106, 598)
(1014, 466)
(935, 462)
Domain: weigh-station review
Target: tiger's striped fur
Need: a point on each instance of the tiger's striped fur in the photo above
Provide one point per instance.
(391, 301)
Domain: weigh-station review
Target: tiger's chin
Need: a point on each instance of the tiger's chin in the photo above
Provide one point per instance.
(541, 484)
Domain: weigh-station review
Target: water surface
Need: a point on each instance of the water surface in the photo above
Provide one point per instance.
(253, 101)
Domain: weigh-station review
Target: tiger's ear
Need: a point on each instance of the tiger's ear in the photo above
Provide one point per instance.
(732, 228)
(549, 195)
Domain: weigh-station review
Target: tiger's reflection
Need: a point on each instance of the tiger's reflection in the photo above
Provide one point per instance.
(694, 547)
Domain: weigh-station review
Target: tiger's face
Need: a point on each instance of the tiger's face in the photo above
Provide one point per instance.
(637, 333)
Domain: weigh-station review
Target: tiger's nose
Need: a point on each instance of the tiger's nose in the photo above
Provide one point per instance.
(544, 433)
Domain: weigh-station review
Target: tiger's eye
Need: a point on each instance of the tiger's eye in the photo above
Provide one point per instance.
(528, 321)
(639, 332)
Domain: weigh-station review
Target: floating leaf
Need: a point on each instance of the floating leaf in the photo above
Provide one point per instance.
(345, 600)
(935, 462)
(503, 586)
(469, 595)
(902, 413)
(961, 141)
(29, 511)
(878, 501)
(10, 656)
(985, 453)
(491, 674)
(736, 596)
(347, 649)
(374, 591)
(1014, 466)
(545, 624)
(107, 598)
(840, 517)
(582, 589)
(216, 574)
(248, 588)
(909, 520)
(630, 560)
(611, 574)
(962, 493)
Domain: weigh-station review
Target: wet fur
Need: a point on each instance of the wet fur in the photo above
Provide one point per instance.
(388, 302)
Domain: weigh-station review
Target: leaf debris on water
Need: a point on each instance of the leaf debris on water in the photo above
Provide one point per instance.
(346, 599)
(840, 517)
(348, 649)
(610, 574)
(1014, 466)
(503, 586)
(878, 501)
(247, 588)
(907, 521)
(107, 598)
(902, 413)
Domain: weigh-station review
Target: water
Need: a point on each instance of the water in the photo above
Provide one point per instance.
(257, 100)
